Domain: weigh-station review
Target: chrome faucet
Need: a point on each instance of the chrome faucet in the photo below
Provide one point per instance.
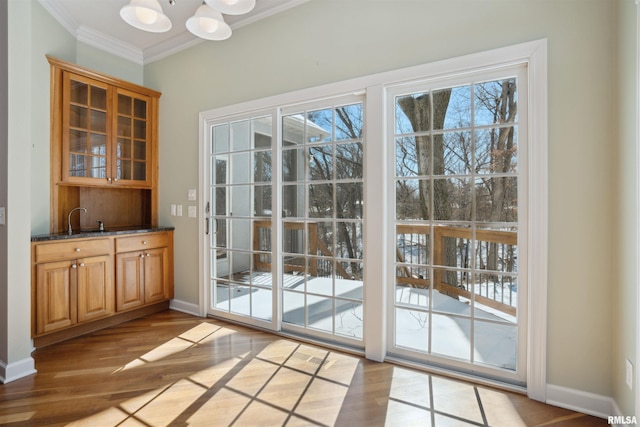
(69, 218)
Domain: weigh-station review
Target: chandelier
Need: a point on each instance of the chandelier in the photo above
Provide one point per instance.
(206, 23)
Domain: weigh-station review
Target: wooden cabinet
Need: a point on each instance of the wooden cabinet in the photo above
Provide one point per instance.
(103, 148)
(72, 283)
(143, 269)
(76, 282)
(106, 133)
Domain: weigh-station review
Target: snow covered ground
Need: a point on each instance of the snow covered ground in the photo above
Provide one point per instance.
(490, 339)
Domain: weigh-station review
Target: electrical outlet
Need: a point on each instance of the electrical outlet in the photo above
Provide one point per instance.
(178, 210)
(191, 195)
(629, 374)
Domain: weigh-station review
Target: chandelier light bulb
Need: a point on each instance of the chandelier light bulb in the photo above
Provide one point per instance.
(146, 16)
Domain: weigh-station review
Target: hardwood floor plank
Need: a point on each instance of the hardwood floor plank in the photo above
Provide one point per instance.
(172, 369)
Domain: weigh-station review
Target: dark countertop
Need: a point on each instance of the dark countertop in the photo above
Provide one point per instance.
(95, 233)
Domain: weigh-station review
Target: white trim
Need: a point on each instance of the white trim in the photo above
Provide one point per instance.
(537, 259)
(185, 307)
(375, 219)
(16, 370)
(580, 401)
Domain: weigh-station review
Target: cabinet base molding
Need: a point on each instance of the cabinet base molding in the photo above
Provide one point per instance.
(97, 325)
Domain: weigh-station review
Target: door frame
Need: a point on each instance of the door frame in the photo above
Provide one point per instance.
(534, 54)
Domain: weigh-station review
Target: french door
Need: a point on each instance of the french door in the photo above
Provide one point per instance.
(459, 287)
(239, 205)
(285, 219)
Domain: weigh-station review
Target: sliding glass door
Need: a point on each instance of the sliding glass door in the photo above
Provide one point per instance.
(322, 218)
(239, 217)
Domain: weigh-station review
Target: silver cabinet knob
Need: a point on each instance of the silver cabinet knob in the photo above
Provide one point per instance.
(77, 249)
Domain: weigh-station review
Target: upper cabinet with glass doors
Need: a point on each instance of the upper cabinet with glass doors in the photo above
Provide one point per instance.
(104, 149)
(106, 129)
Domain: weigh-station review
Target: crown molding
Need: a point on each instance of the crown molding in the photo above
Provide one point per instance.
(184, 40)
(109, 44)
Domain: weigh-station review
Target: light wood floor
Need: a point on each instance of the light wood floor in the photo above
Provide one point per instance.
(174, 369)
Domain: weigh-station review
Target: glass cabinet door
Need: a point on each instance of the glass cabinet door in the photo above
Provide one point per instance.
(85, 131)
(132, 149)
(106, 134)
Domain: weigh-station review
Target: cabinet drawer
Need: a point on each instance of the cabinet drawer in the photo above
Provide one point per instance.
(142, 242)
(58, 251)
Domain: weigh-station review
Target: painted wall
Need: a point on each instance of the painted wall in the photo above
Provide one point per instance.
(330, 40)
(626, 254)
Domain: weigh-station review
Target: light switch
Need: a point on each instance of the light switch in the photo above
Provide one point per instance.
(192, 212)
(178, 210)
(173, 210)
(3, 216)
(191, 195)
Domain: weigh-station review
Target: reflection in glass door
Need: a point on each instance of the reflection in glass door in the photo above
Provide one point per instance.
(458, 294)
(240, 219)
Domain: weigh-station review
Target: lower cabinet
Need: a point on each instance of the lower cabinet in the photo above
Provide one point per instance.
(142, 277)
(70, 289)
(76, 281)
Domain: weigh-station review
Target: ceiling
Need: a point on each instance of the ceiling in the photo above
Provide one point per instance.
(98, 23)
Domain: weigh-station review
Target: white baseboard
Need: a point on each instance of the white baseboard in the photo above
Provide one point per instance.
(185, 307)
(581, 401)
(16, 370)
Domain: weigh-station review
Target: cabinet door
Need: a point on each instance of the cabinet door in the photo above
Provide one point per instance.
(86, 130)
(95, 288)
(129, 280)
(55, 296)
(155, 275)
(133, 146)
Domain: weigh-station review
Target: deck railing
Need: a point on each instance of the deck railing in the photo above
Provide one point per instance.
(491, 283)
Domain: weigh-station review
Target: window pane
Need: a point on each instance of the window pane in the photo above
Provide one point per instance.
(413, 156)
(348, 122)
(413, 199)
(496, 150)
(349, 161)
(452, 108)
(457, 152)
(293, 165)
(412, 112)
(262, 166)
(319, 126)
(496, 102)
(321, 163)
(220, 139)
(452, 199)
(497, 199)
(320, 201)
